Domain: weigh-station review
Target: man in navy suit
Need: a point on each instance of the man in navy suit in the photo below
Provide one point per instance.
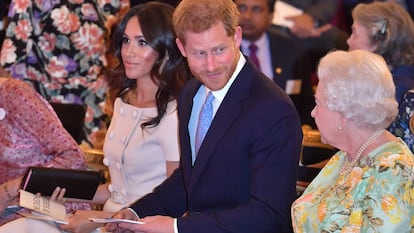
(281, 58)
(243, 176)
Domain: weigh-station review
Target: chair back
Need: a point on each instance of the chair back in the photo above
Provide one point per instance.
(72, 117)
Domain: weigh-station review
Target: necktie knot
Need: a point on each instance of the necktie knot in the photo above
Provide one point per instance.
(253, 56)
(252, 48)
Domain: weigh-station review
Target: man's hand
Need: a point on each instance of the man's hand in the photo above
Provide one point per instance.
(153, 224)
(122, 214)
(304, 26)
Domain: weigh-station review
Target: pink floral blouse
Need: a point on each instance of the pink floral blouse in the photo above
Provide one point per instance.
(31, 133)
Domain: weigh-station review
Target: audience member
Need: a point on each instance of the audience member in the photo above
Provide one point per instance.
(366, 186)
(141, 146)
(280, 58)
(230, 181)
(31, 135)
(403, 126)
(349, 5)
(58, 47)
(313, 28)
(386, 29)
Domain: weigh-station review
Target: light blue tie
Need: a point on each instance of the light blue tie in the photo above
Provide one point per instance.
(204, 120)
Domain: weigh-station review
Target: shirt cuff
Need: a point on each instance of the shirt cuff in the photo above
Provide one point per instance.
(175, 226)
(133, 211)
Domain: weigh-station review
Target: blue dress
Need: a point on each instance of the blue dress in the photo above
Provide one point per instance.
(403, 79)
(401, 126)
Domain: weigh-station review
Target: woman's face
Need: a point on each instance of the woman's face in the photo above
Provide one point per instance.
(327, 121)
(138, 56)
(360, 38)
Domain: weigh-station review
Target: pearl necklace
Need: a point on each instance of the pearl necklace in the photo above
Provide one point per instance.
(348, 166)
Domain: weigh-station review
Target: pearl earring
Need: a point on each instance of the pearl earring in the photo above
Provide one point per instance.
(340, 128)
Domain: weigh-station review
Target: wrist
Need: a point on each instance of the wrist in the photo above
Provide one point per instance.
(8, 192)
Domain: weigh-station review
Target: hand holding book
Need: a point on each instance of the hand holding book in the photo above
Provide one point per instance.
(53, 211)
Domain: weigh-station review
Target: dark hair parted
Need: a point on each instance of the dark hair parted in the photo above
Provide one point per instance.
(155, 19)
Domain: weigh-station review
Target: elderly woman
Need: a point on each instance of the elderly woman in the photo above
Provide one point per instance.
(387, 29)
(31, 134)
(367, 185)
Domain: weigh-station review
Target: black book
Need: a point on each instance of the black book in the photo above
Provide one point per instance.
(79, 184)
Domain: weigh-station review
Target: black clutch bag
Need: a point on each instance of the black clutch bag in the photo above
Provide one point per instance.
(79, 184)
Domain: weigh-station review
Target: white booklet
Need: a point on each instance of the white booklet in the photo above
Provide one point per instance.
(114, 220)
(49, 210)
(283, 10)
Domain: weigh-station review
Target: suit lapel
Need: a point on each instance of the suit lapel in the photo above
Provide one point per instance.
(280, 80)
(227, 113)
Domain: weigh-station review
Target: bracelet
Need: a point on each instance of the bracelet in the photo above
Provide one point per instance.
(6, 190)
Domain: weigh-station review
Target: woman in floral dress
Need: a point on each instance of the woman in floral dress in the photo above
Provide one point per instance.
(368, 186)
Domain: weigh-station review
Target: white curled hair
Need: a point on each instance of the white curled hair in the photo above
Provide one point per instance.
(359, 86)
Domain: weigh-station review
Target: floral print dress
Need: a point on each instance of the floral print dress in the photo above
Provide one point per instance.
(377, 196)
(59, 46)
(401, 126)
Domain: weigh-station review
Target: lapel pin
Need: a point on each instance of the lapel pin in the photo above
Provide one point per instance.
(278, 70)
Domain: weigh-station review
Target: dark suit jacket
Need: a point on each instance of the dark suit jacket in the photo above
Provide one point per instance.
(244, 177)
(289, 62)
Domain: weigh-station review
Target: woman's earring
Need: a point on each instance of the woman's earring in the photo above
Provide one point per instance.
(340, 128)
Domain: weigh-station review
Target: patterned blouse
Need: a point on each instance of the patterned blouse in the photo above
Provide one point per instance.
(59, 46)
(31, 134)
(377, 196)
(401, 126)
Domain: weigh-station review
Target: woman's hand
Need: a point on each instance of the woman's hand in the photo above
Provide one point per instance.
(79, 222)
(58, 194)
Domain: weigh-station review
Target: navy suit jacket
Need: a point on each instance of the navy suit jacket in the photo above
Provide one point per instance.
(244, 177)
(289, 62)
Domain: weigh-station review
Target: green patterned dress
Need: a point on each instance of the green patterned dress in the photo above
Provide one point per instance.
(377, 196)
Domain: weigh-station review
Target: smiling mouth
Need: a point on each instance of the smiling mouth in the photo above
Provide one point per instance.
(127, 63)
(213, 75)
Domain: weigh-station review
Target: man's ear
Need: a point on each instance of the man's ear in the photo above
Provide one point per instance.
(181, 47)
(238, 36)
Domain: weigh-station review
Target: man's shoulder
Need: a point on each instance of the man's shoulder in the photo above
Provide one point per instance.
(275, 33)
(262, 87)
(281, 40)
